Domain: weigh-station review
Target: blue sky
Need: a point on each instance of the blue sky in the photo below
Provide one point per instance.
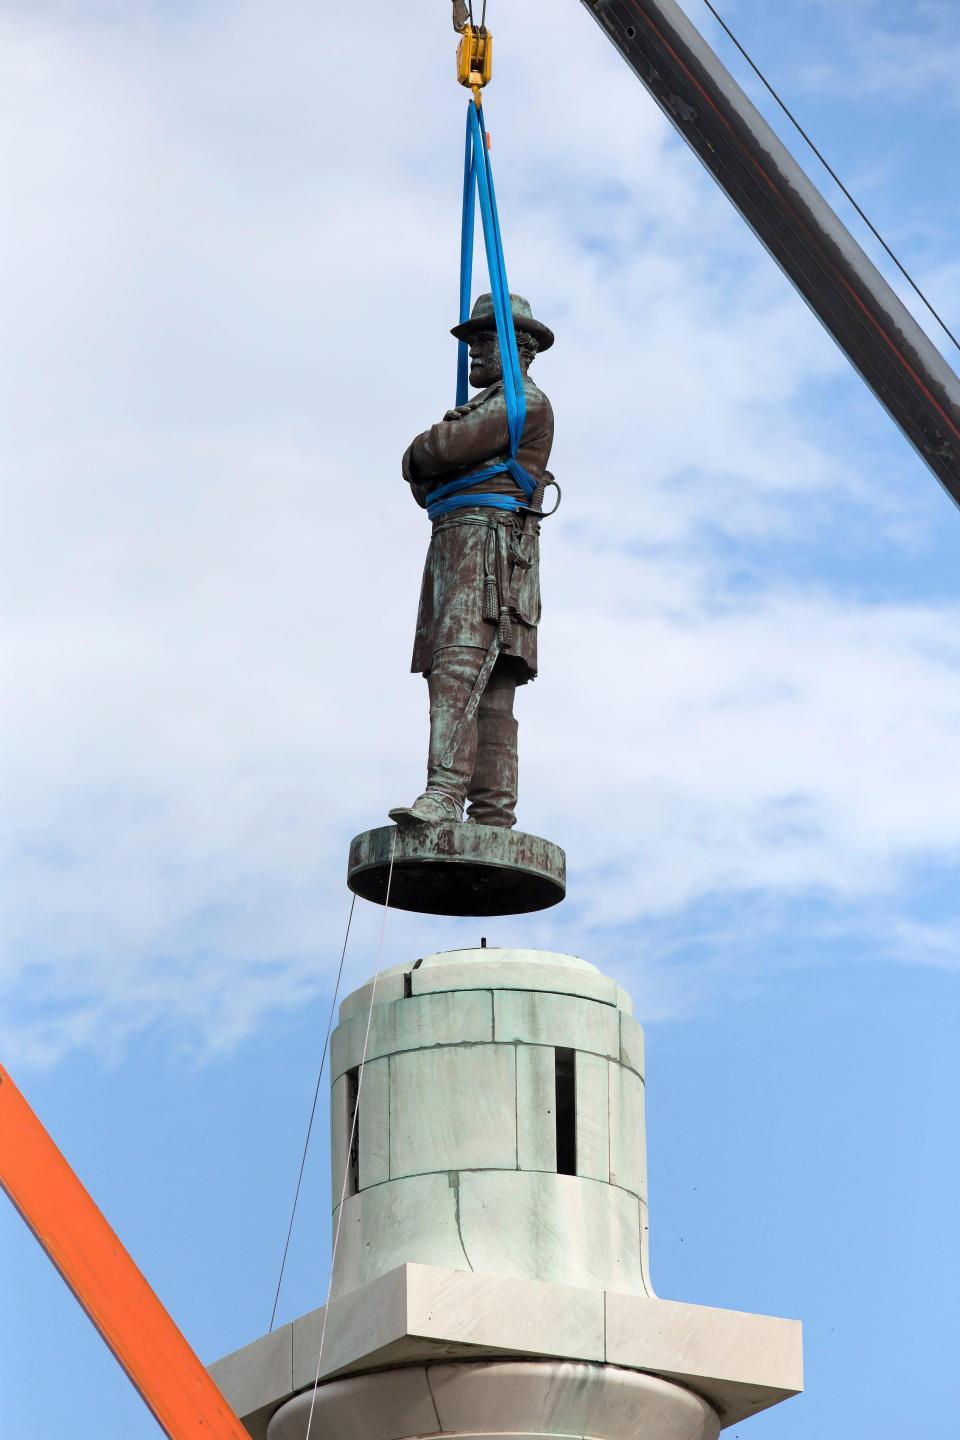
(230, 252)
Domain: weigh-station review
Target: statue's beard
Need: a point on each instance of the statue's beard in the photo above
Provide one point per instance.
(488, 375)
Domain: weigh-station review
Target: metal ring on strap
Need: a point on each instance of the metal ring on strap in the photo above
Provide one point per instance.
(544, 514)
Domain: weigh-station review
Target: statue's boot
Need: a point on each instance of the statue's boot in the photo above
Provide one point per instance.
(450, 682)
(492, 797)
(428, 809)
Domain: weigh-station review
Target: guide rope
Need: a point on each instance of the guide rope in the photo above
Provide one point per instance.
(313, 1111)
(353, 1132)
(478, 183)
(831, 172)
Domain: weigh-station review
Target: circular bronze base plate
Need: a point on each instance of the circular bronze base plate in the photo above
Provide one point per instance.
(458, 869)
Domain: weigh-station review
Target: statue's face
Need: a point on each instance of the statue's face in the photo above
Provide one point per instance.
(484, 360)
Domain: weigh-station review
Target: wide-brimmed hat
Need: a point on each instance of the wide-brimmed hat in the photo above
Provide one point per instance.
(482, 318)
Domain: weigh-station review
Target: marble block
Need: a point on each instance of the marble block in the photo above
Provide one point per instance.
(564, 1020)
(511, 1400)
(453, 1108)
(536, 1108)
(429, 1316)
(593, 1117)
(412, 1024)
(374, 1124)
(628, 1139)
(563, 1229)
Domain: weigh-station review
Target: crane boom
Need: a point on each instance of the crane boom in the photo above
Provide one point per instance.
(105, 1280)
(790, 217)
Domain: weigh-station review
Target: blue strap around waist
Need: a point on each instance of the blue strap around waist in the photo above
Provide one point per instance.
(459, 494)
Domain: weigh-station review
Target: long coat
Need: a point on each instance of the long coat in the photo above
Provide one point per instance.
(467, 546)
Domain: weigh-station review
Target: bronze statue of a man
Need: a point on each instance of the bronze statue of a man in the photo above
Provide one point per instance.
(476, 638)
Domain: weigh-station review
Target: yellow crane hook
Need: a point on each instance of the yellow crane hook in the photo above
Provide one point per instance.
(474, 58)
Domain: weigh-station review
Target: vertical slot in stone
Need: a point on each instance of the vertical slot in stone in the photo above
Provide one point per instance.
(353, 1129)
(566, 1110)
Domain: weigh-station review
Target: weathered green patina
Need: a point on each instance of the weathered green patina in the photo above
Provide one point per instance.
(480, 597)
(457, 869)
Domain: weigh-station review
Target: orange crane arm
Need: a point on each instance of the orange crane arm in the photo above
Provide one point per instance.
(105, 1280)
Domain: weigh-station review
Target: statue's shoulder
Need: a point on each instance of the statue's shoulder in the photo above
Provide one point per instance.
(532, 391)
(537, 399)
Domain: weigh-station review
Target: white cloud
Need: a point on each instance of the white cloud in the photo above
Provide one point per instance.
(235, 251)
(934, 944)
(889, 52)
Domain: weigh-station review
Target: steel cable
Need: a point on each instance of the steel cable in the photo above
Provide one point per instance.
(830, 171)
(313, 1111)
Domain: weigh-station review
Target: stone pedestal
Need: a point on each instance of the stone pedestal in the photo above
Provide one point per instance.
(501, 1123)
(491, 1274)
(510, 1399)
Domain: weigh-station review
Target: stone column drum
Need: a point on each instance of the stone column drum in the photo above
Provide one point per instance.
(491, 1273)
(500, 1124)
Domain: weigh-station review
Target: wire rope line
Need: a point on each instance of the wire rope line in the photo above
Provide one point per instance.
(831, 172)
(313, 1112)
(353, 1132)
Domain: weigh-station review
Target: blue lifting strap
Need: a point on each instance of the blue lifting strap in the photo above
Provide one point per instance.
(478, 180)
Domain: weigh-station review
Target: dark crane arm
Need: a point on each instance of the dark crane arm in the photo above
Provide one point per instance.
(786, 212)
